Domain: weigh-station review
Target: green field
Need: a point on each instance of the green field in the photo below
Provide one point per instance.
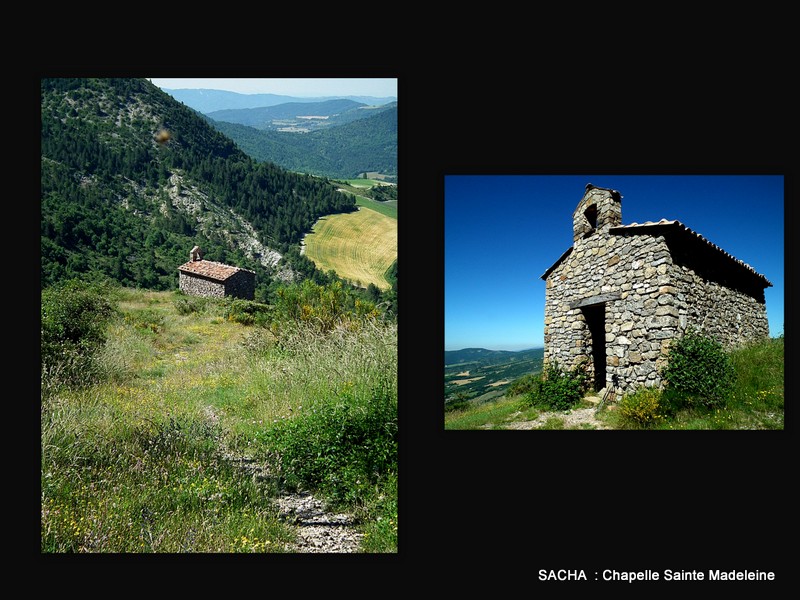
(359, 246)
(385, 208)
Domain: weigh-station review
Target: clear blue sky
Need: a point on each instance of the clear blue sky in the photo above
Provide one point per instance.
(288, 86)
(502, 232)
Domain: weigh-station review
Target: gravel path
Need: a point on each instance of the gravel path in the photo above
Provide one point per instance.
(579, 418)
(575, 419)
(318, 530)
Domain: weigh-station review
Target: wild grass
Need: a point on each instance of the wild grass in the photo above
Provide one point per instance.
(483, 416)
(756, 401)
(139, 460)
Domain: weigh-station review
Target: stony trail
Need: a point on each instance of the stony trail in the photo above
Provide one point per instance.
(318, 529)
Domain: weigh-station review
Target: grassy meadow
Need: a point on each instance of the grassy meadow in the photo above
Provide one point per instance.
(359, 246)
(385, 208)
(138, 455)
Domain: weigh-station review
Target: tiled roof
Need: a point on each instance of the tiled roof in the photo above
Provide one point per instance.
(681, 227)
(210, 269)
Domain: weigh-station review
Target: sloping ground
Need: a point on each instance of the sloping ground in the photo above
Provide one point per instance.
(317, 529)
(359, 246)
(580, 418)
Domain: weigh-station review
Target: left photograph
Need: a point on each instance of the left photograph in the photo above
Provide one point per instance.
(219, 315)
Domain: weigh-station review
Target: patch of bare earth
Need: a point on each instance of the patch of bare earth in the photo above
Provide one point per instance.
(579, 418)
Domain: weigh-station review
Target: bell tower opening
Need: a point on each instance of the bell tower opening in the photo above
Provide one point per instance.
(591, 217)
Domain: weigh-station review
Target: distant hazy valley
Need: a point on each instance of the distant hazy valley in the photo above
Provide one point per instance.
(478, 375)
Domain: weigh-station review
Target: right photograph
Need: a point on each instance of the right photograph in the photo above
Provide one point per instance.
(603, 302)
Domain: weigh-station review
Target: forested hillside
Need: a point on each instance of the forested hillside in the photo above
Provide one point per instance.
(345, 151)
(131, 179)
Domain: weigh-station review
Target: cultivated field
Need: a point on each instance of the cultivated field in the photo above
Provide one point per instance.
(358, 246)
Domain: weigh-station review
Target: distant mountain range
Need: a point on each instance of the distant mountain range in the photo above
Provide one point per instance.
(366, 145)
(484, 357)
(300, 116)
(207, 101)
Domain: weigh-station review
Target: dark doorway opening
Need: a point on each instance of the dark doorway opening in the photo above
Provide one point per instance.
(595, 316)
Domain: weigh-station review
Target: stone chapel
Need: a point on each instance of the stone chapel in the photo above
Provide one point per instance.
(621, 293)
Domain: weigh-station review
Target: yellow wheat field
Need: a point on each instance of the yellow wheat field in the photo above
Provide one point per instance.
(358, 246)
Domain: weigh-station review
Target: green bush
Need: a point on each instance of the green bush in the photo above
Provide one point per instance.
(246, 312)
(340, 448)
(641, 409)
(73, 329)
(146, 319)
(557, 389)
(698, 373)
(520, 386)
(188, 305)
(324, 306)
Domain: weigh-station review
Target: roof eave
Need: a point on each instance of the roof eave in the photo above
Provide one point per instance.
(663, 224)
(558, 262)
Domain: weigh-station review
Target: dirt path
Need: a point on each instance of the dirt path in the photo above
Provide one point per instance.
(579, 418)
(318, 530)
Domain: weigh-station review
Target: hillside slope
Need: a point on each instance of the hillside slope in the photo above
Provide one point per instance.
(345, 151)
(122, 199)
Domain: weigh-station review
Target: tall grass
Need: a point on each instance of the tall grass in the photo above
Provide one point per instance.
(139, 460)
(487, 415)
(754, 401)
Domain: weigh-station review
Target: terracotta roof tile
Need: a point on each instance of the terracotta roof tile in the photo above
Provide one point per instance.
(210, 269)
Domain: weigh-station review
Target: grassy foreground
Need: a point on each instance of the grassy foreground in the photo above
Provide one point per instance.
(138, 459)
(756, 402)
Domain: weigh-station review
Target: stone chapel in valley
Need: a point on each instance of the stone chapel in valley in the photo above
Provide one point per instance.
(621, 293)
(199, 277)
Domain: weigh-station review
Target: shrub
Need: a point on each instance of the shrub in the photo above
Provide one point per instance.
(520, 386)
(146, 319)
(698, 372)
(557, 389)
(641, 409)
(73, 329)
(458, 401)
(340, 448)
(325, 306)
(189, 305)
(245, 312)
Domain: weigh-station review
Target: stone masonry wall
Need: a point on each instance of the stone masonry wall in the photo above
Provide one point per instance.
(647, 300)
(197, 286)
(241, 284)
(729, 316)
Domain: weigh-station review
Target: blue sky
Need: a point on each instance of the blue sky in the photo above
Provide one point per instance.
(288, 86)
(502, 232)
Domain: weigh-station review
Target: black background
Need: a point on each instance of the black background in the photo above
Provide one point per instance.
(487, 510)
